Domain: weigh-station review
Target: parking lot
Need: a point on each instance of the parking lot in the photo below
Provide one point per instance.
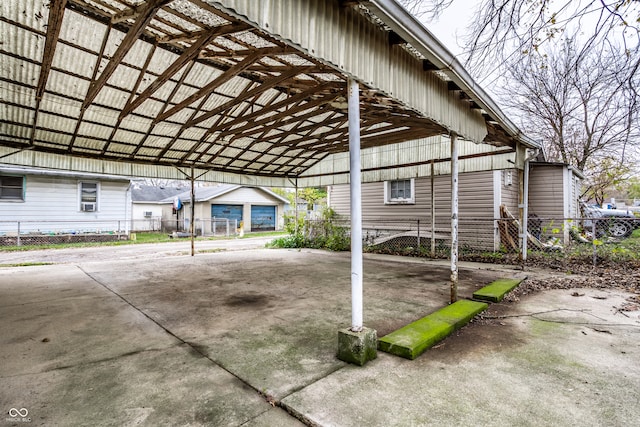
(248, 337)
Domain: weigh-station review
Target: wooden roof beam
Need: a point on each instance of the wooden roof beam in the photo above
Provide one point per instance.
(56, 14)
(221, 31)
(288, 112)
(274, 107)
(187, 56)
(248, 94)
(292, 120)
(147, 13)
(220, 80)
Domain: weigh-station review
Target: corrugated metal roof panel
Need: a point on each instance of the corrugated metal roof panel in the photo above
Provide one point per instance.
(132, 105)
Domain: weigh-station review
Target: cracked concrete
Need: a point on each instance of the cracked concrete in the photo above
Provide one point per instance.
(249, 338)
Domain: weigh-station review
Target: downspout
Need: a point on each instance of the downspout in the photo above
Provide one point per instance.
(525, 206)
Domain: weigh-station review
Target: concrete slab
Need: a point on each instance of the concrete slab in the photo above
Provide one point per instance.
(555, 369)
(495, 291)
(232, 338)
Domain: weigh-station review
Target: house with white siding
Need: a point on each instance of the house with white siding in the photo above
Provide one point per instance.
(148, 203)
(43, 202)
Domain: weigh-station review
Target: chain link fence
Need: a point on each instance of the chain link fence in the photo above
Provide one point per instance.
(501, 239)
(23, 233)
(26, 233)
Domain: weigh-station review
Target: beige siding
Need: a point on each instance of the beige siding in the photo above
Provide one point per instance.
(475, 198)
(546, 191)
(510, 191)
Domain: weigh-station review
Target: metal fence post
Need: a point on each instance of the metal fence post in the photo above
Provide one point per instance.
(18, 239)
(593, 242)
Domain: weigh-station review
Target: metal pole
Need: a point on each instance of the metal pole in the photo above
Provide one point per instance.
(454, 217)
(193, 211)
(525, 213)
(356, 205)
(18, 243)
(295, 203)
(433, 211)
(593, 241)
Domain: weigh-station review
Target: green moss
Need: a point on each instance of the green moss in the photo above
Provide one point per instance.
(412, 340)
(495, 291)
(459, 313)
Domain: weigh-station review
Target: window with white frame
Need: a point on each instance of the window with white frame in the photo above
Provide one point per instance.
(401, 191)
(89, 196)
(11, 187)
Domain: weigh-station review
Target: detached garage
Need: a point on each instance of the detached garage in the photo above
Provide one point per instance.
(257, 208)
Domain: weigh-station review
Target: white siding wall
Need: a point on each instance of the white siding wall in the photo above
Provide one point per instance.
(50, 199)
(142, 223)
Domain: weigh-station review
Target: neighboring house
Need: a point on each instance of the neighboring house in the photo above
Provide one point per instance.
(553, 197)
(398, 204)
(50, 202)
(256, 208)
(147, 203)
(554, 190)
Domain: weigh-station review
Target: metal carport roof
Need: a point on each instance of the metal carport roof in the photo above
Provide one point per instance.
(253, 92)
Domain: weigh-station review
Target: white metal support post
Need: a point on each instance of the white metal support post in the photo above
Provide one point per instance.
(454, 217)
(356, 205)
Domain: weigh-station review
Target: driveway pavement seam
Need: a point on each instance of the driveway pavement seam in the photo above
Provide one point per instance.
(192, 347)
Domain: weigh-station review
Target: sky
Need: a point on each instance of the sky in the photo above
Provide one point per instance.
(451, 25)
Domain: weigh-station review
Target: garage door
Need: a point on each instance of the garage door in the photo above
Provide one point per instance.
(232, 212)
(263, 218)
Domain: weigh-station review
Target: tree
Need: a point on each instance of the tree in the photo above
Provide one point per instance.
(575, 99)
(570, 70)
(311, 196)
(502, 27)
(605, 175)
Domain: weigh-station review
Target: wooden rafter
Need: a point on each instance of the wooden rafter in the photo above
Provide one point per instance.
(248, 94)
(133, 91)
(56, 14)
(292, 120)
(151, 7)
(187, 56)
(210, 87)
(302, 96)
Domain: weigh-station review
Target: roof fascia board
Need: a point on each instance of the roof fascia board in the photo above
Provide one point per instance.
(52, 172)
(414, 32)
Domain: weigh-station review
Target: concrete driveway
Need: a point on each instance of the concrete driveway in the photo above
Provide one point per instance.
(249, 338)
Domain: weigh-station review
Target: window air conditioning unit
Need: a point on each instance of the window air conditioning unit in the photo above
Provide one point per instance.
(88, 207)
(148, 214)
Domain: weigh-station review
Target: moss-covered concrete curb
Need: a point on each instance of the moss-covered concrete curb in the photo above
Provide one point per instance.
(495, 291)
(412, 340)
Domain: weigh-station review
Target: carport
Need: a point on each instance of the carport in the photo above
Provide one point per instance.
(258, 93)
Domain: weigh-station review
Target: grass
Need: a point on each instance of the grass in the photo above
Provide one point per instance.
(141, 238)
(25, 264)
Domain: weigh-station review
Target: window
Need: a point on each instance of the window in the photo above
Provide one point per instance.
(11, 187)
(399, 191)
(89, 192)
